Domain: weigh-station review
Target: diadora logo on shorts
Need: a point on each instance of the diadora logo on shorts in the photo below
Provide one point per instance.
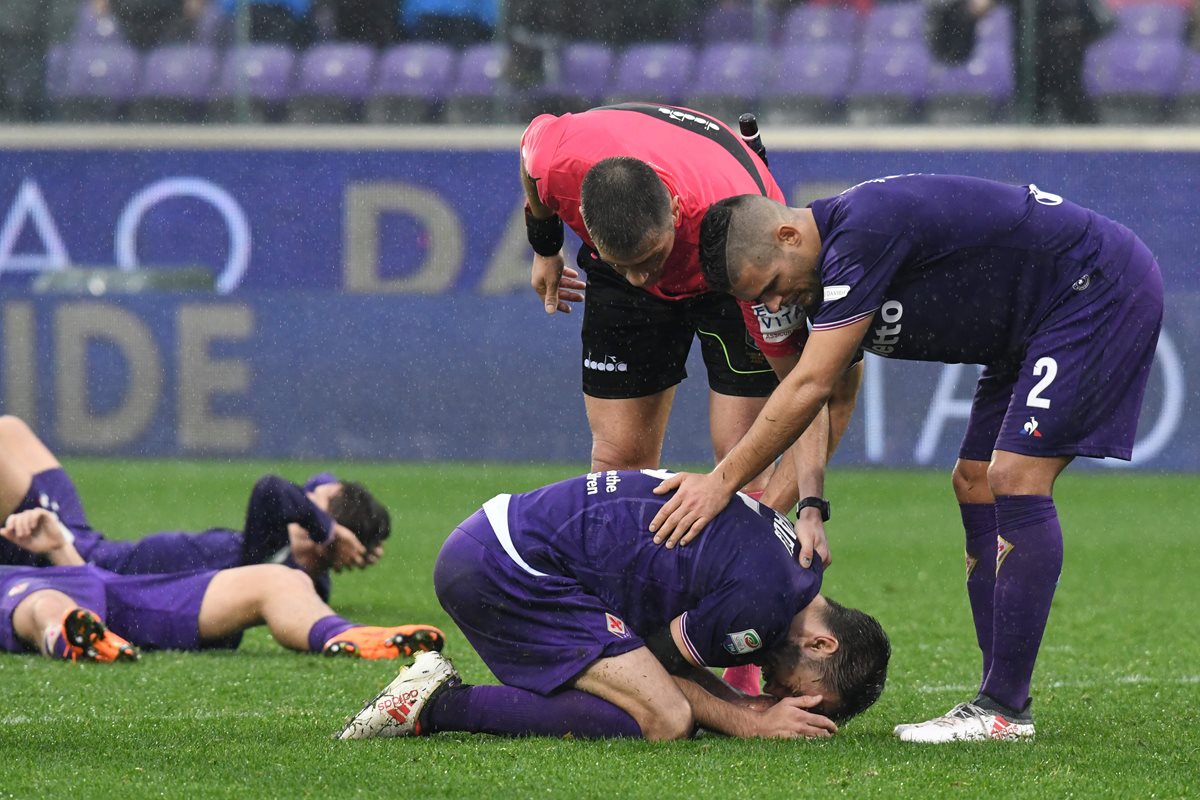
(609, 364)
(616, 626)
(743, 642)
(1031, 428)
(887, 335)
(775, 327)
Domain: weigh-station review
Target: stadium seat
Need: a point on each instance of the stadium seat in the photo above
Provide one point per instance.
(579, 82)
(808, 83)
(1133, 80)
(98, 83)
(660, 72)
(1187, 105)
(1152, 21)
(332, 83)
(93, 28)
(891, 84)
(894, 22)
(728, 23)
(176, 84)
(255, 83)
(975, 93)
(729, 77)
(478, 94)
(410, 84)
(819, 24)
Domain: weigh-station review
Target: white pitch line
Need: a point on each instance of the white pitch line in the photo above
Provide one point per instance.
(1124, 680)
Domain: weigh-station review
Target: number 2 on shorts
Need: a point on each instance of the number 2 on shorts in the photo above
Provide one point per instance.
(1046, 365)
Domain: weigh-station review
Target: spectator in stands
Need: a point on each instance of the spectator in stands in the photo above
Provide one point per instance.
(287, 22)
(1063, 29)
(150, 23)
(459, 22)
(27, 28)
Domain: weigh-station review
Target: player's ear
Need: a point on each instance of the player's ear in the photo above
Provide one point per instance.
(788, 234)
(676, 210)
(822, 644)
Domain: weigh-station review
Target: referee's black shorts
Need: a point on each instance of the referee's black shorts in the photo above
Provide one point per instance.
(636, 344)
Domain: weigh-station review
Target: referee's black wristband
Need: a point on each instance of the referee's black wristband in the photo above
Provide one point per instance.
(545, 235)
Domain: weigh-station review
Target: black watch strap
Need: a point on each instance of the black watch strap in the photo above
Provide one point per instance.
(819, 503)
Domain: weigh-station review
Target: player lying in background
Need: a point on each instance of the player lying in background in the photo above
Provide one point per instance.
(327, 524)
(597, 632)
(63, 610)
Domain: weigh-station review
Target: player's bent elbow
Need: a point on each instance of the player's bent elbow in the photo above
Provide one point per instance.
(667, 722)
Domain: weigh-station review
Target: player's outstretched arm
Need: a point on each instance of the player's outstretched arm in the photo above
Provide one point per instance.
(557, 284)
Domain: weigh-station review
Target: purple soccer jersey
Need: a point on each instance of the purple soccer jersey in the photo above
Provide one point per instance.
(544, 583)
(1063, 305)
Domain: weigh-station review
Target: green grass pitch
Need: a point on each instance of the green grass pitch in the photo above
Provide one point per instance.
(1117, 689)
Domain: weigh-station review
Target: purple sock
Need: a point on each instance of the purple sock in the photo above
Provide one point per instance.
(979, 522)
(325, 629)
(508, 711)
(1029, 558)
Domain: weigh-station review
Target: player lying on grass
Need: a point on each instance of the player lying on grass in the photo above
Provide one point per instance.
(597, 632)
(327, 524)
(63, 610)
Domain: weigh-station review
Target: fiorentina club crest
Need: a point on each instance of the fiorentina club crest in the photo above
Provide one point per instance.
(1003, 548)
(616, 626)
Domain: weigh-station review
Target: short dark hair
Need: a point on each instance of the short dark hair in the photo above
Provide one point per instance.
(623, 201)
(714, 240)
(357, 509)
(857, 670)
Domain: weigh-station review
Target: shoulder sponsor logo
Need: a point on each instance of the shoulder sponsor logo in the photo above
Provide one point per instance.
(743, 642)
(616, 626)
(836, 292)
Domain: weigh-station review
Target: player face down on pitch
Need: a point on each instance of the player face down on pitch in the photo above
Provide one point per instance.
(595, 631)
(77, 611)
(1062, 306)
(325, 525)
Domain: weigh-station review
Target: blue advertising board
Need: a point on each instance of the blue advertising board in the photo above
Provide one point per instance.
(374, 303)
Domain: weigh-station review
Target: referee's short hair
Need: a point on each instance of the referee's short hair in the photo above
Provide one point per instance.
(623, 201)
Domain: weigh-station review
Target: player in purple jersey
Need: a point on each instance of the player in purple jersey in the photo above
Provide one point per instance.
(64, 610)
(596, 632)
(1061, 305)
(326, 524)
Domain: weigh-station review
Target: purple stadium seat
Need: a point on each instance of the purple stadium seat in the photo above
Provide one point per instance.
(1133, 80)
(98, 81)
(891, 84)
(727, 22)
(475, 94)
(1152, 21)
(92, 29)
(975, 92)
(729, 78)
(807, 23)
(176, 83)
(411, 80)
(996, 27)
(262, 74)
(578, 80)
(808, 83)
(653, 72)
(332, 82)
(895, 22)
(1187, 106)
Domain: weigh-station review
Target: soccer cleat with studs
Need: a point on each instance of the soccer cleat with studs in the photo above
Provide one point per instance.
(364, 641)
(84, 637)
(397, 709)
(977, 721)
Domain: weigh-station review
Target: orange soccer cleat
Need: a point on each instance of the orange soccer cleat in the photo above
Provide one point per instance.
(364, 641)
(84, 637)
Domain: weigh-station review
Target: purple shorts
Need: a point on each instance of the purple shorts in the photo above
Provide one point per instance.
(535, 632)
(155, 612)
(52, 489)
(1079, 389)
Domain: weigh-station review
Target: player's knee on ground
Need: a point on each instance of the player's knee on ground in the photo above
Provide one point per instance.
(970, 481)
(665, 720)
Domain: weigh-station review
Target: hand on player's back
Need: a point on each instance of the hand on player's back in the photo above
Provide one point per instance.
(698, 498)
(558, 286)
(810, 535)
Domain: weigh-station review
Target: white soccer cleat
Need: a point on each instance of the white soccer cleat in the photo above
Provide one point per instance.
(968, 722)
(395, 711)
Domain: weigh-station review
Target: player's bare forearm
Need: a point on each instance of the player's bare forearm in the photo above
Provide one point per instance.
(802, 468)
(537, 208)
(715, 714)
(841, 404)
